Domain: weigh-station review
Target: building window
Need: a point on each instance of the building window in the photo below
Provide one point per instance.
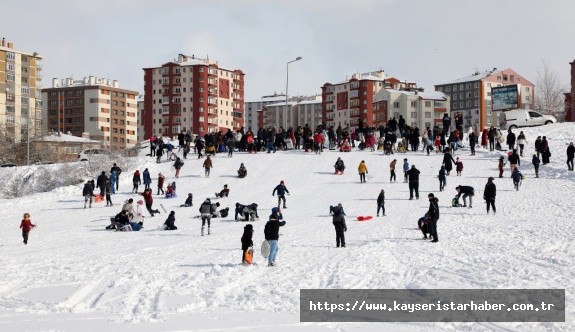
(455, 88)
(427, 103)
(460, 104)
(454, 106)
(455, 96)
(413, 104)
(428, 114)
(414, 114)
(395, 104)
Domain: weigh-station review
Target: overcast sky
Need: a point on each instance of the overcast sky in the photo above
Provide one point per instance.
(425, 41)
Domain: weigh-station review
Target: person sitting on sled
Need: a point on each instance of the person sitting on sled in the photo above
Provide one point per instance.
(339, 166)
(242, 172)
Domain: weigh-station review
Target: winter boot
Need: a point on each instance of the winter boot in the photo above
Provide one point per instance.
(209, 231)
(202, 231)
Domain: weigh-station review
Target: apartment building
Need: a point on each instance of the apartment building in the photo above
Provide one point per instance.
(348, 102)
(20, 96)
(192, 94)
(140, 112)
(471, 95)
(93, 105)
(253, 110)
(419, 109)
(570, 97)
(299, 112)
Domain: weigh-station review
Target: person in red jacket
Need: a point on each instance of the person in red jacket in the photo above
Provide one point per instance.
(318, 141)
(149, 201)
(26, 226)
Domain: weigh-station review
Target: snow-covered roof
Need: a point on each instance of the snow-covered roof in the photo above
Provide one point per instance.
(423, 95)
(304, 102)
(268, 99)
(291, 103)
(471, 78)
(65, 138)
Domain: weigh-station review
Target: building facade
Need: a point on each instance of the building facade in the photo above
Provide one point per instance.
(471, 96)
(299, 112)
(192, 94)
(254, 108)
(94, 105)
(419, 109)
(20, 94)
(140, 112)
(570, 97)
(351, 101)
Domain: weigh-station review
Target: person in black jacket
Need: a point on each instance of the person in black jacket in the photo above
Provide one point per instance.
(247, 240)
(206, 210)
(466, 191)
(119, 221)
(538, 146)
(189, 201)
(339, 224)
(535, 161)
(271, 232)
(224, 192)
(88, 193)
(472, 142)
(511, 141)
(101, 183)
(381, 203)
(413, 175)
(169, 223)
(570, 155)
(448, 161)
(118, 171)
(433, 215)
(489, 194)
(514, 160)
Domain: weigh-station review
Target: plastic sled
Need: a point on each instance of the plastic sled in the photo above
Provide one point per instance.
(362, 218)
(98, 198)
(338, 172)
(249, 255)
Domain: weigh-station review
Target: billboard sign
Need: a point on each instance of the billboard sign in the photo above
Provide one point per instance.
(504, 97)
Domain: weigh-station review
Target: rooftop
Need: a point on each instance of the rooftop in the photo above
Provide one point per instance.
(472, 78)
(55, 137)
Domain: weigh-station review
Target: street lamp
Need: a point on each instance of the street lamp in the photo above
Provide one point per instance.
(287, 83)
(34, 56)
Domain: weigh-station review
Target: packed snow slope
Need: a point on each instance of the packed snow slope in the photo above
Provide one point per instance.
(75, 276)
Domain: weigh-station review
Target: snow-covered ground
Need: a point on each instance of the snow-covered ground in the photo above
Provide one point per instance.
(75, 276)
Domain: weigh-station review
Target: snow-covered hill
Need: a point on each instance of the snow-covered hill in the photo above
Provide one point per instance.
(74, 275)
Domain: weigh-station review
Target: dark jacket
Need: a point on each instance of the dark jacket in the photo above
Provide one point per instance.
(433, 211)
(511, 138)
(537, 144)
(101, 180)
(516, 175)
(247, 238)
(571, 151)
(466, 190)
(136, 179)
(271, 231)
(189, 200)
(281, 189)
(88, 190)
(178, 164)
(147, 178)
(413, 174)
(490, 191)
(170, 221)
(207, 208)
(442, 173)
(535, 161)
(381, 198)
(122, 219)
(514, 159)
(117, 169)
(447, 160)
(239, 210)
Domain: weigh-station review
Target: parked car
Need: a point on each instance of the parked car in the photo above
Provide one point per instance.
(90, 154)
(523, 118)
(8, 165)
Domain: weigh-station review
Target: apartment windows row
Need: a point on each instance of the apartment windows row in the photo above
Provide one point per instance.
(461, 87)
(466, 104)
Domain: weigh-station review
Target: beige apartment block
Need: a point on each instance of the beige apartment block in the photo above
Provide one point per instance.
(20, 97)
(94, 105)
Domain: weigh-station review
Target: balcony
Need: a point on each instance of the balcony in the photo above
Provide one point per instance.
(237, 115)
(39, 67)
(213, 81)
(212, 101)
(213, 122)
(212, 110)
(212, 92)
(213, 72)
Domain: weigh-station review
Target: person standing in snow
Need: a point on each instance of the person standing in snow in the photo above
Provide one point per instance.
(433, 215)
(405, 169)
(466, 191)
(136, 180)
(447, 161)
(570, 155)
(206, 210)
(281, 190)
(392, 177)
(207, 165)
(161, 179)
(514, 160)
(538, 146)
(101, 183)
(458, 166)
(516, 176)
(472, 142)
(545, 153)
(88, 193)
(501, 165)
(178, 165)
(118, 171)
(247, 241)
(413, 175)
(442, 178)
(159, 153)
(535, 161)
(521, 142)
(339, 224)
(26, 225)
(489, 194)
(113, 180)
(362, 169)
(147, 179)
(271, 232)
(381, 203)
(511, 140)
(109, 188)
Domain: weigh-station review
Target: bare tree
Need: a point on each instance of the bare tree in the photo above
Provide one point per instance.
(549, 92)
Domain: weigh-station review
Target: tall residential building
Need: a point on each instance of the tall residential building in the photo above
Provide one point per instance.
(299, 112)
(570, 97)
(471, 96)
(94, 105)
(253, 110)
(419, 109)
(348, 102)
(140, 120)
(192, 94)
(20, 96)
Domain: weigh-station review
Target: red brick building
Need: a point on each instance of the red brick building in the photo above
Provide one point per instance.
(570, 97)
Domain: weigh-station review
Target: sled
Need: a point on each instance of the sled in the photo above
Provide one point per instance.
(362, 218)
(98, 198)
(249, 255)
(289, 144)
(265, 249)
(338, 172)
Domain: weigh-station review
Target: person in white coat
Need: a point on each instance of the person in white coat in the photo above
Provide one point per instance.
(139, 216)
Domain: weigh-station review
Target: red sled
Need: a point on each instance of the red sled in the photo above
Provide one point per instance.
(338, 172)
(362, 218)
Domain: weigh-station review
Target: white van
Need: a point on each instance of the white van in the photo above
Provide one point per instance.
(523, 118)
(93, 154)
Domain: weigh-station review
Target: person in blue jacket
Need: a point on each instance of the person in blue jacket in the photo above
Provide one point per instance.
(516, 176)
(281, 190)
(147, 179)
(405, 169)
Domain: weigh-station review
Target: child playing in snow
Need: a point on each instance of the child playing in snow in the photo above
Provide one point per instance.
(26, 225)
(247, 241)
(458, 166)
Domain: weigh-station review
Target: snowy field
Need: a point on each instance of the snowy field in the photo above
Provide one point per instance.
(75, 276)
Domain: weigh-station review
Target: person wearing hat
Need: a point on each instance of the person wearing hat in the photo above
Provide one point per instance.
(338, 221)
(392, 177)
(271, 232)
(136, 180)
(206, 210)
(514, 160)
(242, 172)
(224, 192)
(433, 215)
(88, 193)
(516, 176)
(362, 169)
(281, 190)
(247, 241)
(413, 175)
(128, 206)
(489, 194)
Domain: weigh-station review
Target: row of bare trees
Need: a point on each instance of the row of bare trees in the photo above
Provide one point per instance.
(549, 92)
